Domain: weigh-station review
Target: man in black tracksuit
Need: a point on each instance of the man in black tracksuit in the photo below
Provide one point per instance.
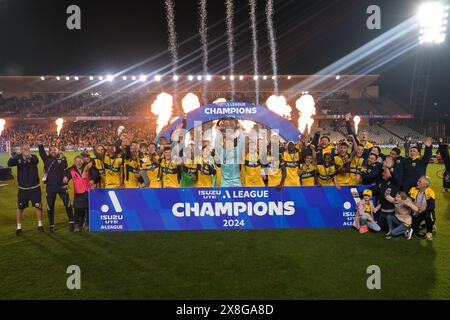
(371, 171)
(29, 187)
(55, 165)
(443, 151)
(385, 208)
(415, 166)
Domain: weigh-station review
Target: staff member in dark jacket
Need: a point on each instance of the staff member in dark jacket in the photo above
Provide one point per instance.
(55, 165)
(443, 151)
(384, 208)
(371, 172)
(416, 166)
(29, 188)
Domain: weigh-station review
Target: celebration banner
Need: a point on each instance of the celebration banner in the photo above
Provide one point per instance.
(238, 110)
(221, 208)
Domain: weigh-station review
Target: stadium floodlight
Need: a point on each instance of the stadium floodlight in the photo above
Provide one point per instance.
(67, 78)
(58, 78)
(175, 78)
(190, 78)
(241, 77)
(133, 78)
(100, 78)
(208, 78)
(91, 78)
(124, 77)
(433, 20)
(224, 78)
(76, 78)
(157, 78)
(338, 77)
(289, 77)
(109, 78)
(199, 78)
(273, 77)
(142, 78)
(265, 78)
(231, 77)
(255, 77)
(42, 78)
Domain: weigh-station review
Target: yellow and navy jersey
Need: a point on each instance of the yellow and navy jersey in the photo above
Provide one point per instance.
(170, 174)
(368, 145)
(274, 172)
(429, 193)
(355, 170)
(112, 171)
(218, 174)
(100, 167)
(342, 177)
(151, 167)
(130, 171)
(308, 175)
(252, 171)
(325, 175)
(205, 173)
(367, 207)
(292, 162)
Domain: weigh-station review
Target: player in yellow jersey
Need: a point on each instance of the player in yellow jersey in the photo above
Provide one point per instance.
(150, 167)
(252, 174)
(276, 170)
(170, 170)
(307, 170)
(326, 172)
(205, 170)
(112, 162)
(291, 159)
(129, 172)
(99, 166)
(356, 164)
(342, 163)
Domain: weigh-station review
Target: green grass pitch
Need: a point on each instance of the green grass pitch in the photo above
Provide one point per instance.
(260, 264)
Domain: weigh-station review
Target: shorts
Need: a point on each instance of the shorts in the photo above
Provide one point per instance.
(29, 195)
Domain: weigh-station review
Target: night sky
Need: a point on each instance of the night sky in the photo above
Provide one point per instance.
(311, 34)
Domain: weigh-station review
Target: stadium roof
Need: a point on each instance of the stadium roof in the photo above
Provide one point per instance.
(219, 83)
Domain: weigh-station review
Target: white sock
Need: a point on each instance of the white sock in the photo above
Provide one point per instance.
(40, 223)
(19, 226)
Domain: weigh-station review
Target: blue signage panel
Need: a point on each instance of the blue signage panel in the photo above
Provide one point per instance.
(221, 208)
(238, 110)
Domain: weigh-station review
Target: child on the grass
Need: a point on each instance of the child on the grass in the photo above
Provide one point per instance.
(364, 214)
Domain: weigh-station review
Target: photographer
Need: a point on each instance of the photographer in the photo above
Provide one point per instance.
(29, 188)
(55, 165)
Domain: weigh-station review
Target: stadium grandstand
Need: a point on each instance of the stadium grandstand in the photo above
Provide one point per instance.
(93, 105)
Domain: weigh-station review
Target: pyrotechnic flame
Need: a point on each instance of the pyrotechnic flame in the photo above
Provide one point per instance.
(190, 102)
(279, 105)
(306, 107)
(120, 129)
(59, 124)
(220, 100)
(162, 108)
(2, 125)
(247, 125)
(356, 121)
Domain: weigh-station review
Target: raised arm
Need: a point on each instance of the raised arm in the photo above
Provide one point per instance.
(42, 152)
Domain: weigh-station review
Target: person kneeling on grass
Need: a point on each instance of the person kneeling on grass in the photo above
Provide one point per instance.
(401, 222)
(364, 215)
(79, 173)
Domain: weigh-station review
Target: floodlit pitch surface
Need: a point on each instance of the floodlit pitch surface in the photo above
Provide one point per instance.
(265, 264)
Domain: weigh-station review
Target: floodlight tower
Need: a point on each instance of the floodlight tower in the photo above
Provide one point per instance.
(432, 19)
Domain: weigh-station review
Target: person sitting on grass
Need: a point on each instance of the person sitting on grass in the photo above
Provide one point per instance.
(364, 215)
(425, 199)
(401, 222)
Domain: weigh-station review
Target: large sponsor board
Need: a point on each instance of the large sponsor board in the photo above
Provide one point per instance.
(221, 208)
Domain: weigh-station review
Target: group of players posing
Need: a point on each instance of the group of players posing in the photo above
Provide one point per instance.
(307, 162)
